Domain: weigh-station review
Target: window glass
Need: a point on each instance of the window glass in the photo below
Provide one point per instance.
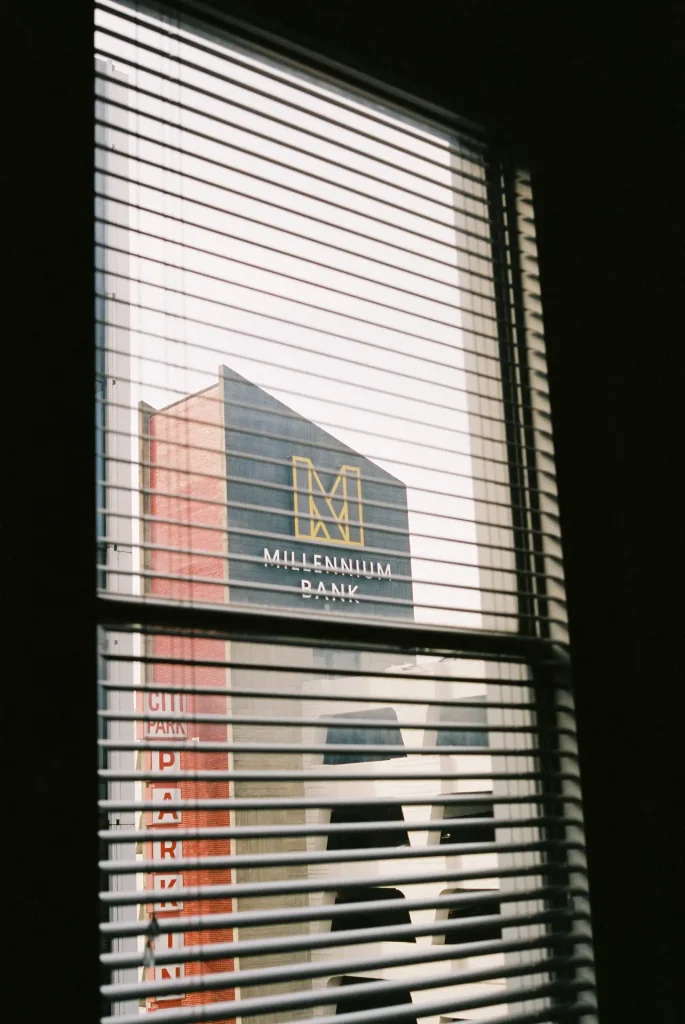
(356, 736)
(371, 1001)
(389, 917)
(376, 814)
(461, 737)
(455, 833)
(310, 337)
(474, 932)
(302, 305)
(329, 659)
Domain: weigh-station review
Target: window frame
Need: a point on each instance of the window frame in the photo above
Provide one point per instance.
(532, 640)
(58, 47)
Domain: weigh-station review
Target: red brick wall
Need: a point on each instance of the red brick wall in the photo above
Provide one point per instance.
(186, 511)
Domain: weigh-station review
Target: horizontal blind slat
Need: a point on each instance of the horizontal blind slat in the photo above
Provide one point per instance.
(318, 335)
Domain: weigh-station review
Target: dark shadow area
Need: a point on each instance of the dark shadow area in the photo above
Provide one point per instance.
(454, 832)
(368, 838)
(474, 932)
(369, 1002)
(372, 918)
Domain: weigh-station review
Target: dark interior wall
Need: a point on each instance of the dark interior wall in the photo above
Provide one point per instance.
(593, 97)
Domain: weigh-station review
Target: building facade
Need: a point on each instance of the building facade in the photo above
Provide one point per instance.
(245, 501)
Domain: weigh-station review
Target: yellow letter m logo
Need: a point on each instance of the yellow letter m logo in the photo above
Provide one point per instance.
(333, 515)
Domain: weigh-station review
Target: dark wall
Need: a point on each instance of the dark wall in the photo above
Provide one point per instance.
(593, 93)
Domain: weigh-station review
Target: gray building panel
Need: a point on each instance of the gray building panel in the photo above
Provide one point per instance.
(368, 572)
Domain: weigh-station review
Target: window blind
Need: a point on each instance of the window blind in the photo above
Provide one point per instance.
(337, 754)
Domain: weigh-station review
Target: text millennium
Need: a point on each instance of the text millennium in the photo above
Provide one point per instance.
(321, 563)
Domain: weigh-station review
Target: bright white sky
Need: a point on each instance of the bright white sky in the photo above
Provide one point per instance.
(308, 346)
